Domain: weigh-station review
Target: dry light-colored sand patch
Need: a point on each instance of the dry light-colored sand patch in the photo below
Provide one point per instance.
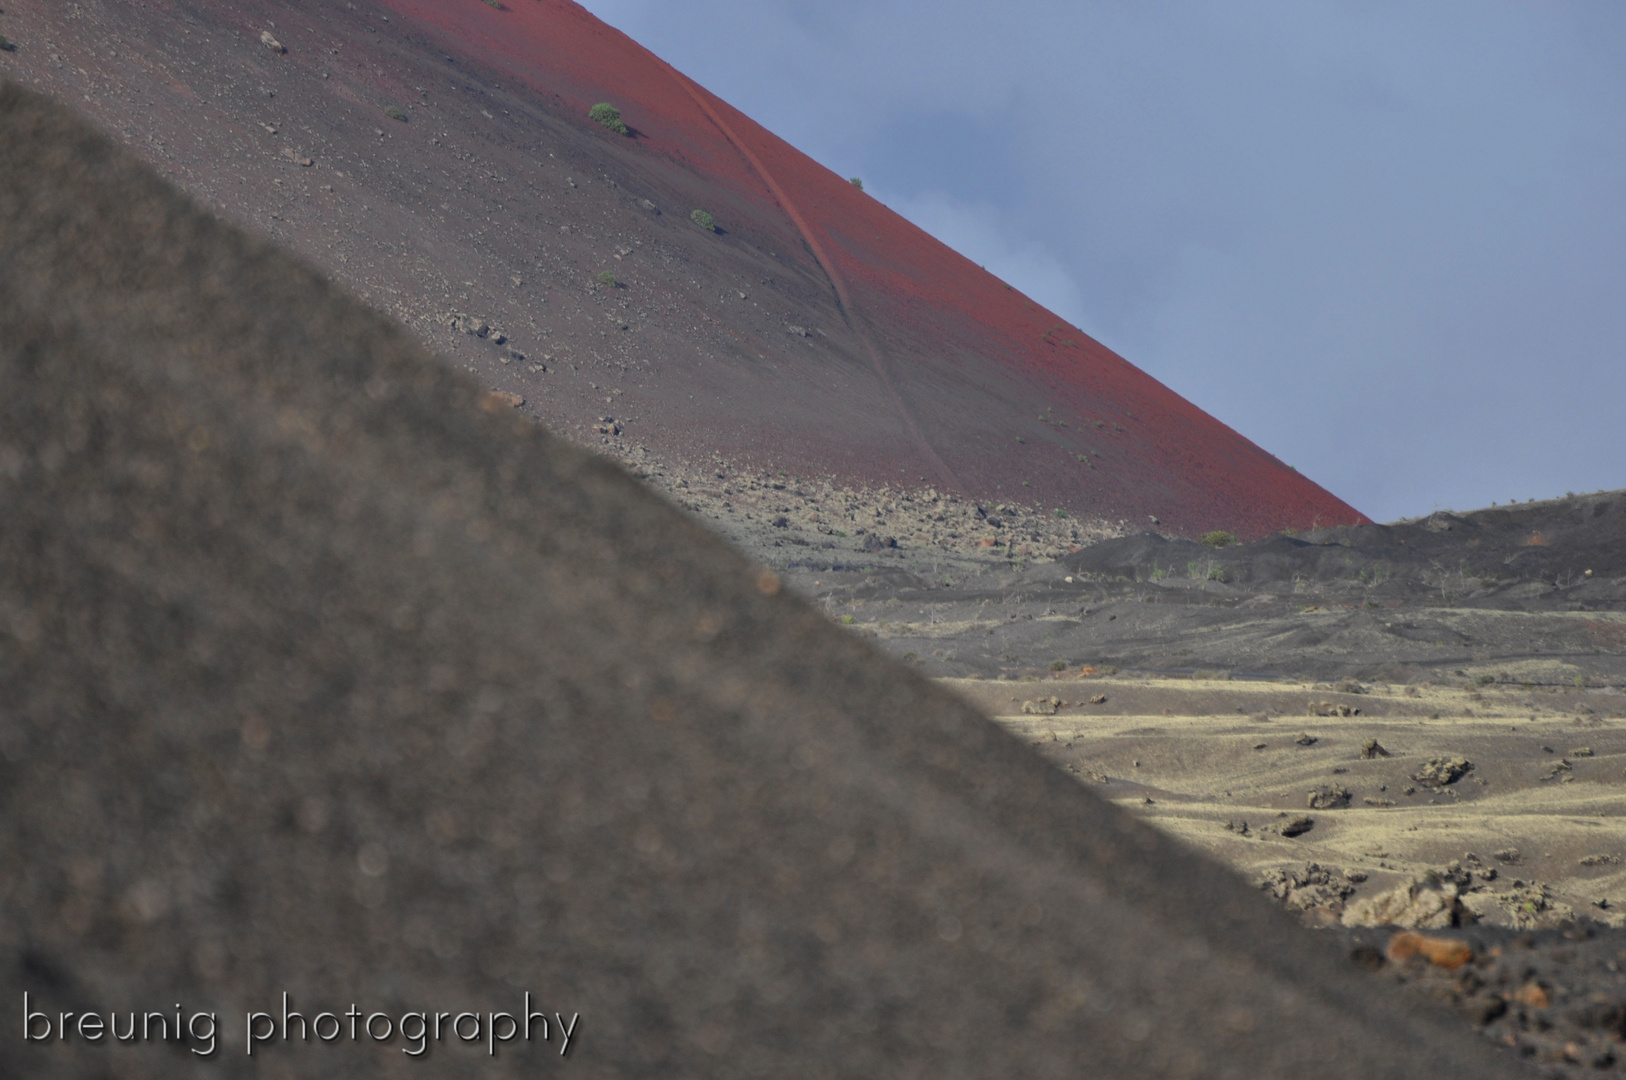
(1524, 792)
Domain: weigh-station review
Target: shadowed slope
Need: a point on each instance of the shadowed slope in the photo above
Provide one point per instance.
(314, 677)
(817, 332)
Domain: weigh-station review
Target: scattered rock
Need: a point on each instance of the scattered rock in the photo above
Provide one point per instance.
(270, 42)
(607, 425)
(1238, 827)
(1350, 686)
(1098, 699)
(1306, 739)
(1439, 771)
(468, 324)
(1483, 1008)
(1045, 706)
(1311, 886)
(497, 400)
(1366, 957)
(297, 158)
(1531, 905)
(1330, 708)
(1297, 825)
(1329, 797)
(1600, 860)
(1453, 873)
(1417, 904)
(1532, 994)
(1581, 751)
(1507, 855)
(1373, 749)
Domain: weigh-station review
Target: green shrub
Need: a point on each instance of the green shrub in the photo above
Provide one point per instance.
(607, 278)
(1061, 513)
(703, 219)
(609, 116)
(394, 112)
(1058, 665)
(855, 182)
(1217, 539)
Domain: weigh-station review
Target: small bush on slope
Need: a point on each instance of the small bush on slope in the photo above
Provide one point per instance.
(609, 116)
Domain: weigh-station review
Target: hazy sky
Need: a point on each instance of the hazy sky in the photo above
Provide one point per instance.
(1385, 241)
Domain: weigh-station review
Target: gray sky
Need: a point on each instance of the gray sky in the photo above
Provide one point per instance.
(1385, 241)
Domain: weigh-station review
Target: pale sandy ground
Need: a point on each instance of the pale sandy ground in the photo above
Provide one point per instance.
(1208, 754)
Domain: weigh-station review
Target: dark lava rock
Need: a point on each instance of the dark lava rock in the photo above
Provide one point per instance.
(1297, 825)
(1329, 797)
(1439, 771)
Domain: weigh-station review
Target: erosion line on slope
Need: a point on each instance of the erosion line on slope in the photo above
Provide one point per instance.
(945, 474)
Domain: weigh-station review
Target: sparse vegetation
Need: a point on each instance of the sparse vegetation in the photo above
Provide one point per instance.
(1061, 513)
(607, 278)
(1058, 665)
(608, 116)
(855, 182)
(703, 219)
(1204, 571)
(1218, 538)
(395, 112)
(1375, 575)
(494, 4)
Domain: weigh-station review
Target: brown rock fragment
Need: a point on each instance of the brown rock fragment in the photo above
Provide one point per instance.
(1441, 952)
(498, 400)
(1533, 995)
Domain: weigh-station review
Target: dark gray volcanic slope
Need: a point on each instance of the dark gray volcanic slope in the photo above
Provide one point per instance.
(315, 677)
(1531, 594)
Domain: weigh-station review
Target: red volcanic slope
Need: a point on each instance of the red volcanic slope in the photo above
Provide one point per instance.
(968, 364)
(496, 196)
